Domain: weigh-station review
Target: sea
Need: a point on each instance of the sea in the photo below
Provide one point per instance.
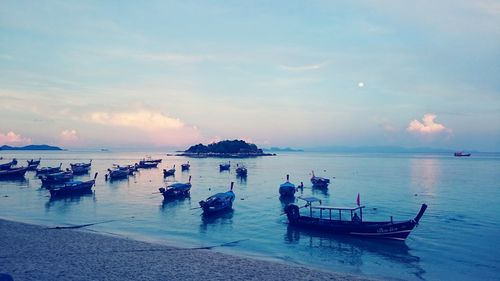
(456, 239)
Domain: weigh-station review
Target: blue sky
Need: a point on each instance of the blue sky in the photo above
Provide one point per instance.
(277, 73)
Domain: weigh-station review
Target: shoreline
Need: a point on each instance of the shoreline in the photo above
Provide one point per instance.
(35, 252)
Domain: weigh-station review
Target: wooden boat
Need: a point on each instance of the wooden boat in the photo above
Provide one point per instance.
(149, 159)
(48, 170)
(218, 202)
(185, 167)
(13, 173)
(145, 164)
(225, 166)
(461, 154)
(319, 182)
(287, 188)
(33, 164)
(168, 173)
(330, 220)
(80, 170)
(176, 190)
(86, 165)
(8, 165)
(56, 178)
(241, 171)
(118, 173)
(73, 187)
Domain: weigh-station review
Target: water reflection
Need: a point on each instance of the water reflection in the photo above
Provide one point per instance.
(320, 191)
(64, 201)
(172, 203)
(352, 250)
(242, 179)
(425, 174)
(221, 218)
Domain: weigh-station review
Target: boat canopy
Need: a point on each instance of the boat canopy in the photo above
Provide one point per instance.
(310, 199)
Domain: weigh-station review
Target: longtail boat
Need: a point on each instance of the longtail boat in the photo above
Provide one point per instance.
(48, 170)
(225, 166)
(56, 178)
(33, 164)
(118, 173)
(168, 173)
(185, 167)
(331, 220)
(145, 164)
(73, 187)
(176, 189)
(287, 189)
(319, 182)
(219, 202)
(8, 165)
(461, 154)
(241, 170)
(13, 173)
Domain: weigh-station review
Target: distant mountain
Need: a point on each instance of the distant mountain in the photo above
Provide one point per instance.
(30, 147)
(285, 149)
(225, 148)
(381, 149)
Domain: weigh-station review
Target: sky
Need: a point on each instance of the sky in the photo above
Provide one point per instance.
(169, 74)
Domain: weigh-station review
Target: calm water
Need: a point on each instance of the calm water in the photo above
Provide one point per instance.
(456, 240)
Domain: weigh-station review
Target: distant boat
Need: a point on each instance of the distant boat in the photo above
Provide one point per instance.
(33, 164)
(319, 182)
(149, 159)
(8, 165)
(48, 170)
(349, 224)
(56, 178)
(146, 164)
(218, 202)
(287, 189)
(168, 173)
(176, 190)
(225, 166)
(461, 154)
(13, 173)
(185, 167)
(73, 187)
(241, 171)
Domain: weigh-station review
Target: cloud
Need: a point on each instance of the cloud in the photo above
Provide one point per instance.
(427, 126)
(68, 137)
(142, 119)
(13, 138)
(301, 68)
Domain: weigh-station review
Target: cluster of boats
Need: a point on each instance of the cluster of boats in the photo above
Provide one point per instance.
(332, 219)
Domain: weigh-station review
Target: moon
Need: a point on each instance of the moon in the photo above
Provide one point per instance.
(361, 84)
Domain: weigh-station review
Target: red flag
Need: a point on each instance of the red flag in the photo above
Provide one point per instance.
(358, 201)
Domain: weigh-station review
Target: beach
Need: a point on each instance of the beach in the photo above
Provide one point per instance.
(33, 252)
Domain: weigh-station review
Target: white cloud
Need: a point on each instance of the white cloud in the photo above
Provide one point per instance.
(12, 138)
(142, 119)
(301, 68)
(427, 126)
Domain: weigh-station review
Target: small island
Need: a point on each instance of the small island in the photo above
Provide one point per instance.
(225, 149)
(30, 147)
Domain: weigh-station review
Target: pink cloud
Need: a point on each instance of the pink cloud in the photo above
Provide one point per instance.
(13, 138)
(427, 126)
(68, 137)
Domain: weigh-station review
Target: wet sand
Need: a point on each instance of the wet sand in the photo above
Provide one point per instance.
(31, 252)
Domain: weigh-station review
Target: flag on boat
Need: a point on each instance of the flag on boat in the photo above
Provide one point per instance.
(358, 201)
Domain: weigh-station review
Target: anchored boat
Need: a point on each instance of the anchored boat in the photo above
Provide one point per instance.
(225, 166)
(319, 182)
(55, 178)
(33, 164)
(331, 220)
(287, 189)
(168, 173)
(241, 171)
(218, 202)
(73, 187)
(49, 170)
(185, 167)
(176, 190)
(13, 173)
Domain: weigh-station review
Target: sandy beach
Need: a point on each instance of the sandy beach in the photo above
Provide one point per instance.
(32, 252)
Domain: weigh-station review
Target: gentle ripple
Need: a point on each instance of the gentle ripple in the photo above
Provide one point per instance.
(456, 239)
